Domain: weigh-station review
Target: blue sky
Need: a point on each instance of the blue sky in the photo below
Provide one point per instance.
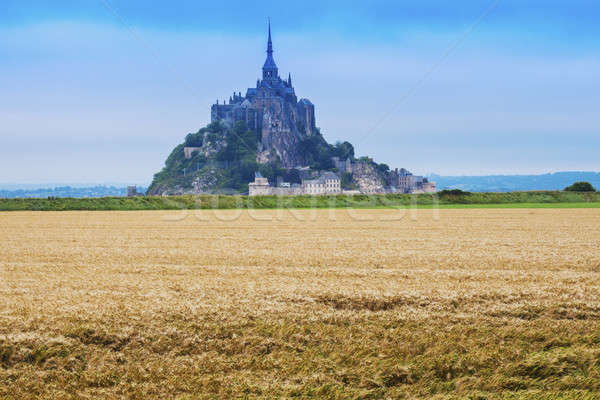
(102, 90)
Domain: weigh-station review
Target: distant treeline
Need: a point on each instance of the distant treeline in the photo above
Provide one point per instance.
(68, 191)
(448, 198)
(512, 183)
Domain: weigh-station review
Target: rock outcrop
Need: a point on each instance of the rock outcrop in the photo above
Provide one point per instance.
(367, 178)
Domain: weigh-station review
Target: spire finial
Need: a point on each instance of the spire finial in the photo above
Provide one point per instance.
(269, 43)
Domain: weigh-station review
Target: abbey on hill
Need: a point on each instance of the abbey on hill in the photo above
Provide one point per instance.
(267, 142)
(272, 110)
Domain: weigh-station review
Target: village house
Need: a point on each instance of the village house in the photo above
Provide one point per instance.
(328, 183)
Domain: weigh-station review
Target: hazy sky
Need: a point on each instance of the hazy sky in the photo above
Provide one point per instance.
(102, 90)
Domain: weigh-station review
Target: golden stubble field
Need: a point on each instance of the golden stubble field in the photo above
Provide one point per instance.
(490, 303)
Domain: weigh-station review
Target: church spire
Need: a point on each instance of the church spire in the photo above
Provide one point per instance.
(270, 68)
(269, 43)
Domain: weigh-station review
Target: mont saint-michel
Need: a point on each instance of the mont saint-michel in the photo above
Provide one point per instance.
(267, 142)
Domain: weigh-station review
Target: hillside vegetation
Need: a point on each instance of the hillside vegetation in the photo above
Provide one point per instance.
(444, 198)
(227, 160)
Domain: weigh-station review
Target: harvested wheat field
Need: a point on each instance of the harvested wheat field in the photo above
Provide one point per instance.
(501, 303)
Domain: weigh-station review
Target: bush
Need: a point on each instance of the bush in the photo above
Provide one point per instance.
(316, 152)
(383, 168)
(343, 150)
(194, 139)
(580, 187)
(453, 192)
(292, 176)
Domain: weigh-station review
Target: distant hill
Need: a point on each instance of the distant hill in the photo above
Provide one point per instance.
(67, 191)
(512, 183)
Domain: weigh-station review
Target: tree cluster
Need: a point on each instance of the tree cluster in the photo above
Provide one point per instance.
(580, 187)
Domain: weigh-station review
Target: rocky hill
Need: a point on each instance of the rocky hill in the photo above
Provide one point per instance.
(218, 159)
(267, 130)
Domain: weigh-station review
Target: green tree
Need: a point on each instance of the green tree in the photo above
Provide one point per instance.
(580, 187)
(343, 150)
(194, 139)
(292, 176)
(240, 143)
(383, 168)
(347, 183)
(316, 152)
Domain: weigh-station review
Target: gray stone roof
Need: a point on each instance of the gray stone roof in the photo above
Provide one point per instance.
(329, 175)
(326, 176)
(270, 63)
(311, 181)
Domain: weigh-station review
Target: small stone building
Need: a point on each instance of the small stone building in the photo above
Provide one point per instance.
(425, 186)
(341, 165)
(260, 186)
(403, 181)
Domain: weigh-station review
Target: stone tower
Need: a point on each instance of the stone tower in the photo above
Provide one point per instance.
(270, 72)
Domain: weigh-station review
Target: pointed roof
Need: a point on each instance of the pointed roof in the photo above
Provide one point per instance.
(270, 63)
(269, 42)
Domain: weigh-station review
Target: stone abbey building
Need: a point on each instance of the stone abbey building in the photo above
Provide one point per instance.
(272, 110)
(287, 137)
